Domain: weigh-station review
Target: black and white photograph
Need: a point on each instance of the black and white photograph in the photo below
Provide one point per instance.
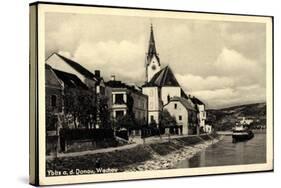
(140, 91)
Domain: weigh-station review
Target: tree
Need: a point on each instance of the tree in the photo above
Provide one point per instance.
(80, 104)
(125, 121)
(166, 121)
(105, 118)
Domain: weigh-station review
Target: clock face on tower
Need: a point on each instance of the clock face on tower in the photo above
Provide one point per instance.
(153, 67)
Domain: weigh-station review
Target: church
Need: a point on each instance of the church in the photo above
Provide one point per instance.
(163, 89)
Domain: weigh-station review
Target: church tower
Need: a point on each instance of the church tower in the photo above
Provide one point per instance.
(152, 64)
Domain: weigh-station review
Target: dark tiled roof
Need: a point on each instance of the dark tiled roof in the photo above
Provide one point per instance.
(196, 101)
(119, 84)
(185, 102)
(165, 77)
(183, 94)
(78, 67)
(70, 80)
(115, 84)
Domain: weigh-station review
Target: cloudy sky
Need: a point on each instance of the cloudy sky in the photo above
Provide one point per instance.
(222, 63)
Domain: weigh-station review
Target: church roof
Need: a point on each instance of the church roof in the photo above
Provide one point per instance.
(152, 48)
(165, 77)
(185, 102)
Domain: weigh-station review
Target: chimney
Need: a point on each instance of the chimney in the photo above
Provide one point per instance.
(112, 78)
(97, 73)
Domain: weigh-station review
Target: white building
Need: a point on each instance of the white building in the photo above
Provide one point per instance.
(201, 109)
(245, 121)
(161, 86)
(185, 113)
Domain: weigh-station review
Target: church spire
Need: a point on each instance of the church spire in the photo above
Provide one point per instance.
(151, 47)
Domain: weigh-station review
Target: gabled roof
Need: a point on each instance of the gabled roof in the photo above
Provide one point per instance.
(79, 68)
(185, 102)
(196, 101)
(165, 77)
(119, 84)
(70, 80)
(51, 78)
(183, 94)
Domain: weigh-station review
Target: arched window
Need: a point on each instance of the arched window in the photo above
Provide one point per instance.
(53, 100)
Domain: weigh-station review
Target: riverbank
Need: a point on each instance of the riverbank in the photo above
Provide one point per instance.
(167, 155)
(161, 155)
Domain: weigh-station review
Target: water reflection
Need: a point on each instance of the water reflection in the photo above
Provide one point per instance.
(227, 153)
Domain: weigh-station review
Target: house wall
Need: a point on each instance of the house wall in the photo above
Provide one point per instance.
(171, 91)
(113, 107)
(53, 87)
(139, 102)
(140, 106)
(201, 115)
(49, 92)
(153, 103)
(179, 111)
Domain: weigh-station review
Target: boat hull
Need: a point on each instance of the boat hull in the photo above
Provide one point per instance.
(242, 136)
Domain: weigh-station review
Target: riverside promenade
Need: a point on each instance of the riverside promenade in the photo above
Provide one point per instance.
(133, 143)
(156, 153)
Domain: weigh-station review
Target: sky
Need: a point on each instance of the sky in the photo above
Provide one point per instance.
(221, 63)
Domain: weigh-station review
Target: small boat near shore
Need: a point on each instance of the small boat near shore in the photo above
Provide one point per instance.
(241, 133)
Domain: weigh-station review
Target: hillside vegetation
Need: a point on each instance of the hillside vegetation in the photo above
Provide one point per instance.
(225, 118)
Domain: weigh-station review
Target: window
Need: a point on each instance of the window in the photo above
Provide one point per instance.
(176, 106)
(119, 99)
(151, 118)
(53, 100)
(102, 90)
(119, 114)
(180, 118)
(168, 98)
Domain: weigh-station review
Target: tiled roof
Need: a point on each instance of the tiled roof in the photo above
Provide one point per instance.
(196, 100)
(185, 102)
(119, 84)
(70, 80)
(82, 70)
(165, 77)
(183, 94)
(50, 77)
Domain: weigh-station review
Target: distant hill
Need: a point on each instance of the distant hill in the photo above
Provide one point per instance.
(225, 118)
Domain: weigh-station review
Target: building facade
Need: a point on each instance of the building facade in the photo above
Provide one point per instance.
(185, 113)
(202, 114)
(54, 92)
(94, 82)
(124, 99)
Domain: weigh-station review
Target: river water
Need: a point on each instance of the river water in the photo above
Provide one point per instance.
(227, 153)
